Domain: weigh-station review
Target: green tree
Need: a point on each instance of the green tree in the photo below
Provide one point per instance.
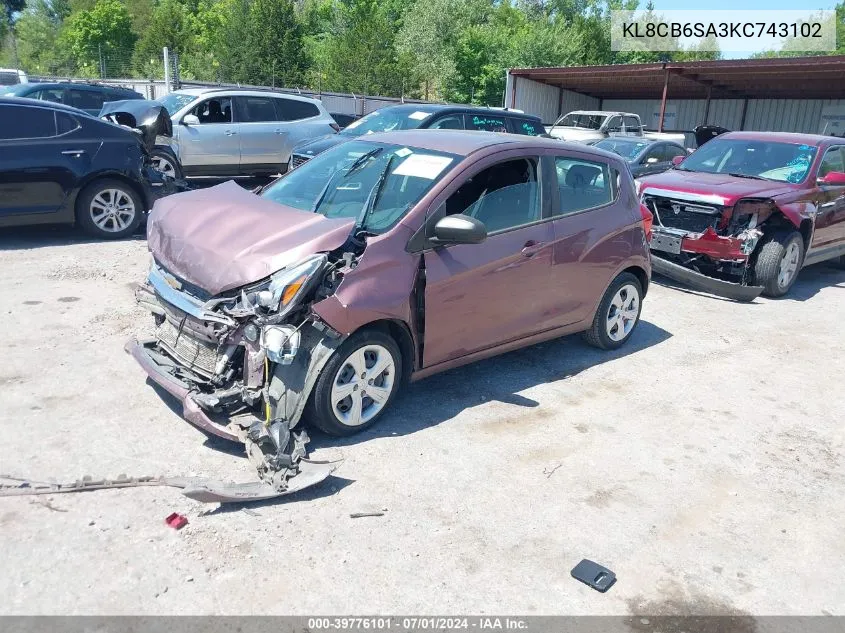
(10, 9)
(171, 24)
(101, 35)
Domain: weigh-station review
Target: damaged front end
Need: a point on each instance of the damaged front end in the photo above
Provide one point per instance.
(705, 244)
(243, 362)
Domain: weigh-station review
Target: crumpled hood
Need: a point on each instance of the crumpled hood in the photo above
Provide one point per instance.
(225, 237)
(149, 118)
(719, 189)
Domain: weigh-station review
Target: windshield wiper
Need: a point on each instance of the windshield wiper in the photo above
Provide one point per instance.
(362, 159)
(372, 198)
(749, 176)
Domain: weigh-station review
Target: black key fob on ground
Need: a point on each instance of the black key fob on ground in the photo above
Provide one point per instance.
(590, 573)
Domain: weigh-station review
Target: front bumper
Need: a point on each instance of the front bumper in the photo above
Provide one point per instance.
(144, 354)
(694, 279)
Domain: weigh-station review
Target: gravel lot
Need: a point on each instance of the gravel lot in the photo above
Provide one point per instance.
(702, 463)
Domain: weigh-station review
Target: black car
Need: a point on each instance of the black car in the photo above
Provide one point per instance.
(644, 156)
(87, 97)
(60, 165)
(433, 116)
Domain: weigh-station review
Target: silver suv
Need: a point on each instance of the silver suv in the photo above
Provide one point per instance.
(232, 132)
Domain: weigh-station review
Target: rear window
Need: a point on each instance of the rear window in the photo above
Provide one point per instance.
(20, 122)
(9, 79)
(486, 122)
(293, 110)
(85, 99)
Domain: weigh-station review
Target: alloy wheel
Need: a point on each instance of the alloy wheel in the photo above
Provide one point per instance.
(164, 165)
(623, 312)
(112, 210)
(363, 384)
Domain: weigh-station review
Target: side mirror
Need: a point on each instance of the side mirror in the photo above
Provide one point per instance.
(836, 178)
(677, 160)
(190, 119)
(651, 160)
(459, 229)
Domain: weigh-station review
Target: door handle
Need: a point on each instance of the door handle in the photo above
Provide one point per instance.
(531, 248)
(278, 131)
(229, 132)
(73, 152)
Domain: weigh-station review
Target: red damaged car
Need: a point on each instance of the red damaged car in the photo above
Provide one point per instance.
(744, 213)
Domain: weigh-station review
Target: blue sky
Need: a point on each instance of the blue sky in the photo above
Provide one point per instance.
(716, 5)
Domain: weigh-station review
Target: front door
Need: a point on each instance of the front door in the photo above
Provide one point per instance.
(42, 154)
(829, 229)
(212, 147)
(478, 296)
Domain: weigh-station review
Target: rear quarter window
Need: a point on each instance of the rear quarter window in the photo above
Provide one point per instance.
(527, 127)
(293, 110)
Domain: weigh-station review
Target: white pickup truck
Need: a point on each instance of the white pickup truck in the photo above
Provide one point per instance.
(589, 126)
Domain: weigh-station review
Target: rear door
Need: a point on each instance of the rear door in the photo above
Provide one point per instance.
(212, 147)
(42, 155)
(830, 218)
(262, 135)
(654, 161)
(478, 296)
(298, 121)
(587, 215)
(90, 100)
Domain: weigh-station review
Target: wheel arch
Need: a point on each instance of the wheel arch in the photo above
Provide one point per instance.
(638, 272)
(400, 332)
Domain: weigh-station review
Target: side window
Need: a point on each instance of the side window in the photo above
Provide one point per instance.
(293, 110)
(632, 124)
(582, 184)
(832, 161)
(18, 122)
(672, 151)
(255, 109)
(658, 153)
(526, 127)
(218, 110)
(501, 197)
(53, 95)
(448, 122)
(486, 123)
(85, 99)
(615, 124)
(65, 123)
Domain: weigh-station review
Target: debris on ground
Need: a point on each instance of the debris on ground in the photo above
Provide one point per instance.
(176, 521)
(596, 576)
(374, 513)
(548, 472)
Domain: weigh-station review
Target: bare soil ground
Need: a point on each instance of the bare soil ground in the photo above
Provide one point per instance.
(702, 463)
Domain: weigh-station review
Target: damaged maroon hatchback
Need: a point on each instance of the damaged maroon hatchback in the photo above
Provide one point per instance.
(744, 213)
(385, 259)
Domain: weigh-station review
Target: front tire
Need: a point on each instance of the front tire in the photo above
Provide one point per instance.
(618, 313)
(109, 209)
(165, 162)
(778, 261)
(357, 384)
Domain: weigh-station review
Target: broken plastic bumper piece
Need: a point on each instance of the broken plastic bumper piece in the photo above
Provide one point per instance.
(696, 280)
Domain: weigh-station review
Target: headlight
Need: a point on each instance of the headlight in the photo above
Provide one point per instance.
(286, 286)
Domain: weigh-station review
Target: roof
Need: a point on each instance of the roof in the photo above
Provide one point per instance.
(197, 92)
(452, 107)
(784, 137)
(49, 105)
(775, 78)
(71, 84)
(466, 142)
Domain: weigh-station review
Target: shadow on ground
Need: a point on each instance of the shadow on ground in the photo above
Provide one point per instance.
(29, 237)
(434, 400)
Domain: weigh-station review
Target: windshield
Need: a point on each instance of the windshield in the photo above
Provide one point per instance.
(175, 102)
(585, 121)
(386, 120)
(343, 181)
(626, 149)
(783, 162)
(14, 91)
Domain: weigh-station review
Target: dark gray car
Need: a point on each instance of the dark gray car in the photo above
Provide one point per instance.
(644, 156)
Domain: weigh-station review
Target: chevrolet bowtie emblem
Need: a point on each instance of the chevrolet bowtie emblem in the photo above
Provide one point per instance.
(676, 208)
(173, 282)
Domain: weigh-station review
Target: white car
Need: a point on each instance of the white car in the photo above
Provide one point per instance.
(230, 132)
(12, 76)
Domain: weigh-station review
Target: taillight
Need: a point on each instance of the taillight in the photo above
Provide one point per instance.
(648, 221)
(335, 127)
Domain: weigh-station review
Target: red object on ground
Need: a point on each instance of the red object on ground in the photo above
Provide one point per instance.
(176, 521)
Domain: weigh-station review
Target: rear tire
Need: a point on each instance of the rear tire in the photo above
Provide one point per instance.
(779, 260)
(368, 360)
(618, 313)
(109, 209)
